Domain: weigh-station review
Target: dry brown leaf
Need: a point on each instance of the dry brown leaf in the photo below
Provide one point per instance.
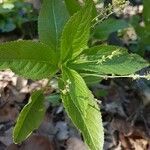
(12, 147)
(37, 143)
(34, 142)
(9, 112)
(139, 144)
(74, 143)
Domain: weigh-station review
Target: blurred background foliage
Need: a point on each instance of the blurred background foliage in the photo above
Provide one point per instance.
(128, 28)
(14, 13)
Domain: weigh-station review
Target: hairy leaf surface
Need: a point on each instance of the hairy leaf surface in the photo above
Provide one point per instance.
(73, 6)
(108, 60)
(76, 33)
(30, 117)
(146, 13)
(82, 108)
(52, 18)
(29, 59)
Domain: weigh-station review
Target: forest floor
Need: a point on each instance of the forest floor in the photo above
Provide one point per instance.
(125, 107)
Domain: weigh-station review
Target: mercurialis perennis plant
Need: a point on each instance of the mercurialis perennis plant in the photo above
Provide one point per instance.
(63, 51)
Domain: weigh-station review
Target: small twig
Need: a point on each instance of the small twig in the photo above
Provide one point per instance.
(102, 19)
(133, 76)
(109, 8)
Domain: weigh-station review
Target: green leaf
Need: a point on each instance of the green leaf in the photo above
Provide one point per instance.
(54, 99)
(30, 117)
(94, 10)
(76, 33)
(144, 34)
(82, 108)
(146, 12)
(52, 18)
(29, 59)
(91, 80)
(103, 29)
(73, 6)
(108, 59)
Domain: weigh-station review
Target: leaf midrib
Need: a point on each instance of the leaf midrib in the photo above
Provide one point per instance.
(55, 24)
(84, 120)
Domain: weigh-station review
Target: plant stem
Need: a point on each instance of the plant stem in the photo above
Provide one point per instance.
(133, 76)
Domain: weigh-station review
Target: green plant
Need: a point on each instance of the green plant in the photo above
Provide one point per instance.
(106, 23)
(105, 28)
(14, 13)
(63, 49)
(142, 28)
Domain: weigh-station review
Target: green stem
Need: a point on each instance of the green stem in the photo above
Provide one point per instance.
(133, 76)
